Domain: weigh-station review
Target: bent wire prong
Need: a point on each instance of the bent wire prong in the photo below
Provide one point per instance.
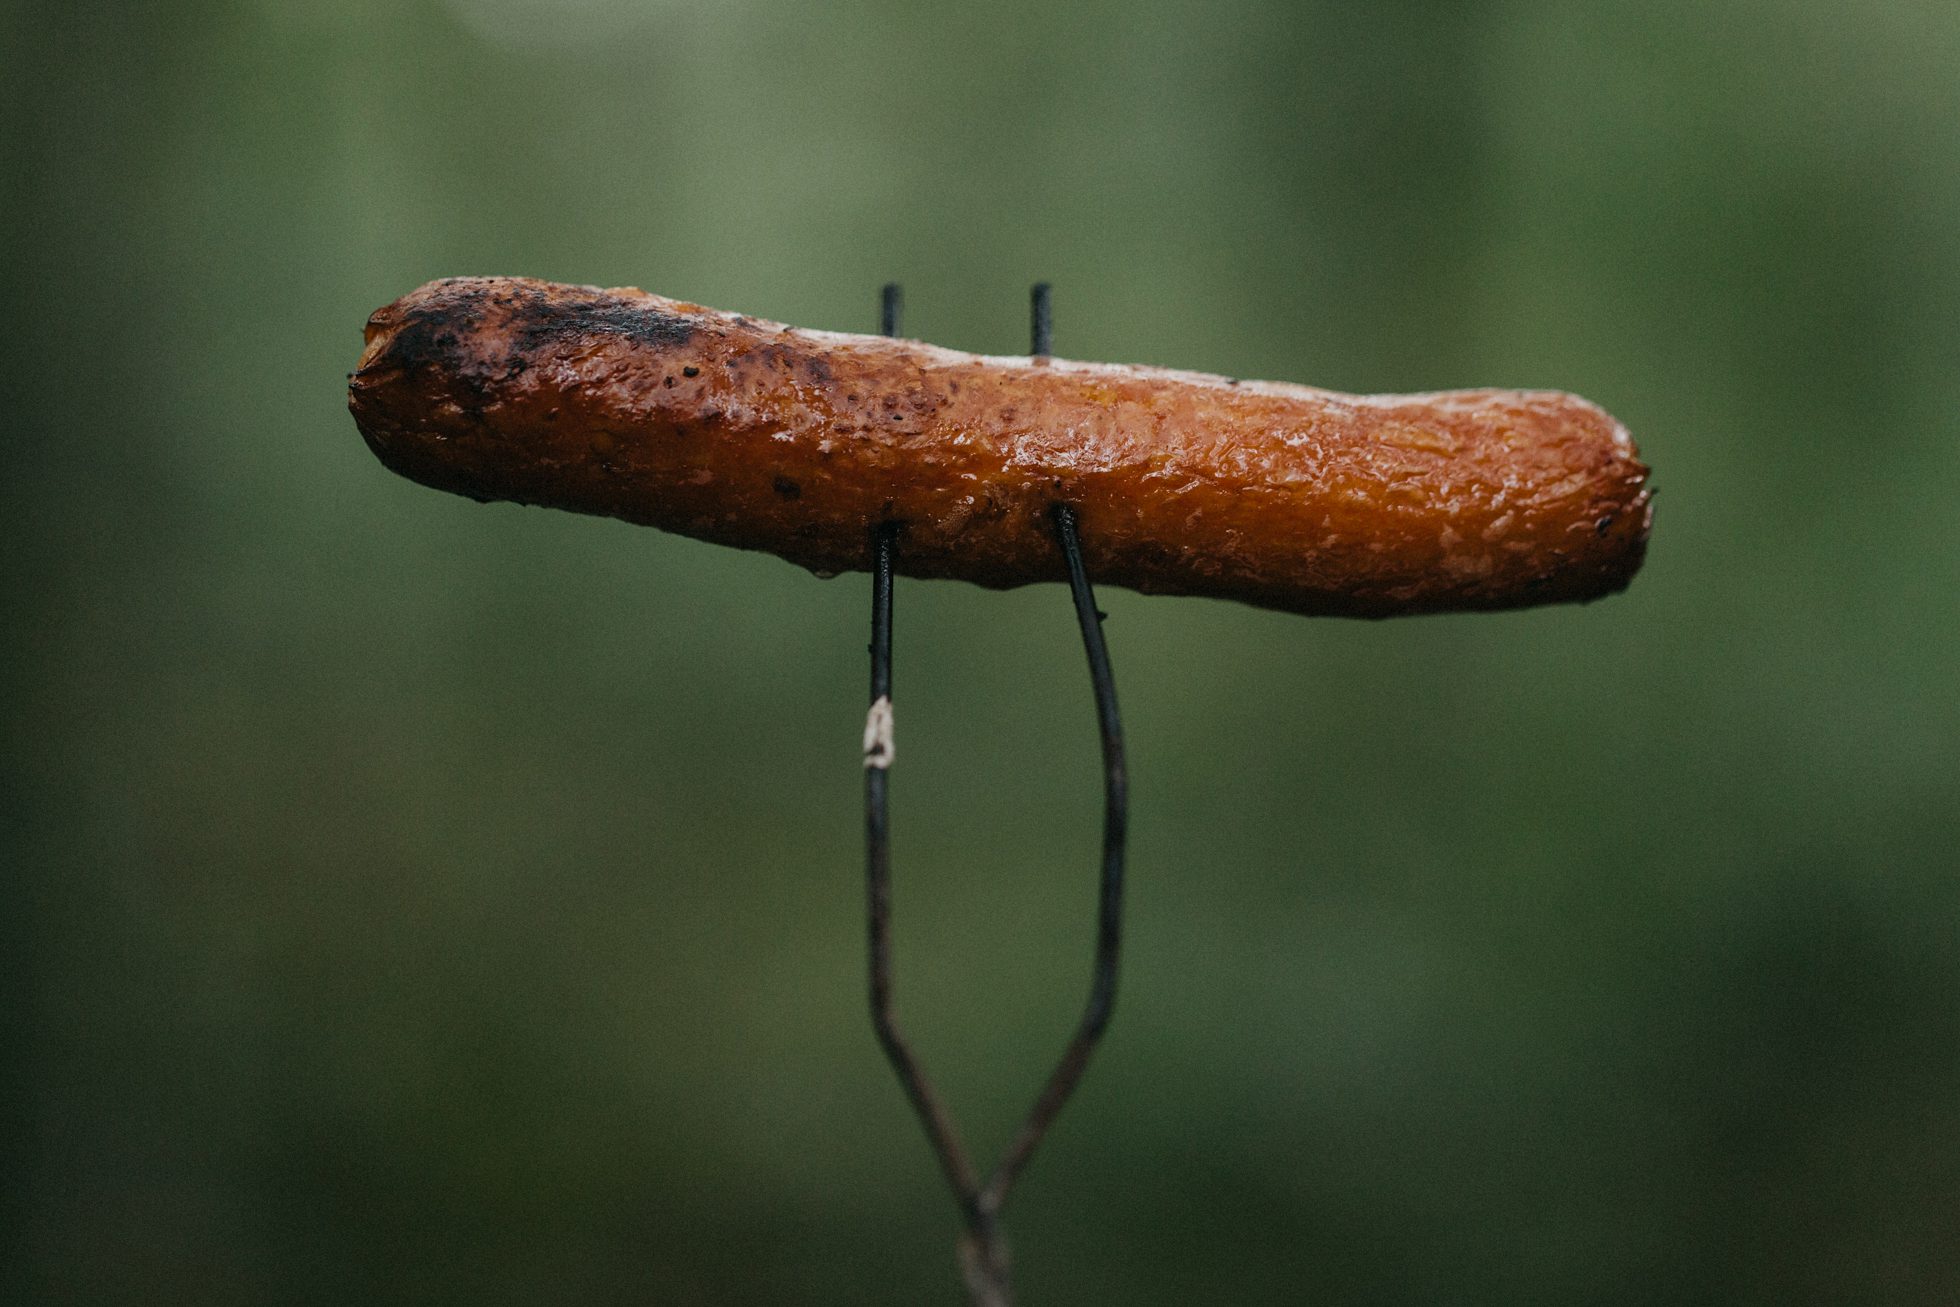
(983, 1248)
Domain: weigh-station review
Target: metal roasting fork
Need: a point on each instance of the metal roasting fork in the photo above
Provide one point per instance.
(983, 1247)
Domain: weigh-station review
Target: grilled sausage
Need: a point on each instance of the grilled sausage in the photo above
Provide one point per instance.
(754, 434)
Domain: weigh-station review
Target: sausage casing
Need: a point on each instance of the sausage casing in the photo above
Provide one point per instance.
(750, 433)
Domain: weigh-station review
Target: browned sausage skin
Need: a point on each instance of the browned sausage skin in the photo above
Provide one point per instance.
(754, 434)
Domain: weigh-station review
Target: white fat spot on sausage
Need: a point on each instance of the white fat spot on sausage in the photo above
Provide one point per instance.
(1466, 567)
(1450, 538)
(954, 522)
(1498, 527)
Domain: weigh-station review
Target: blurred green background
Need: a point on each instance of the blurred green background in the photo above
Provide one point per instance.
(412, 901)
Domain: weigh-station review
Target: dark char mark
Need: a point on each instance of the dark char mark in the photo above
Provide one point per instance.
(429, 335)
(541, 321)
(442, 333)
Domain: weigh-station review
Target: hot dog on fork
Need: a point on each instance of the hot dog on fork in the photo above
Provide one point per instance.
(750, 433)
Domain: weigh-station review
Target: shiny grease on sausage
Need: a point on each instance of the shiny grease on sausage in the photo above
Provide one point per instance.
(750, 433)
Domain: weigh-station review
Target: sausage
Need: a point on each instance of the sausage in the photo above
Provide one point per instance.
(754, 434)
